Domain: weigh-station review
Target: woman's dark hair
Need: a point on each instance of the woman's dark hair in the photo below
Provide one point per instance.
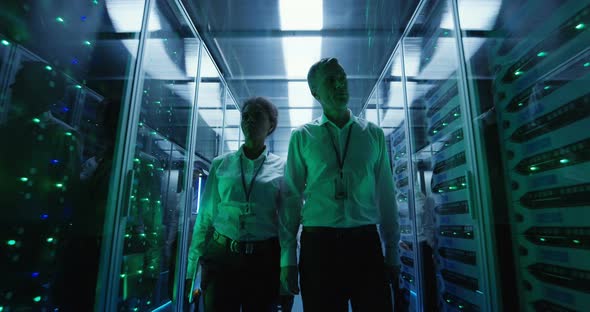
(268, 106)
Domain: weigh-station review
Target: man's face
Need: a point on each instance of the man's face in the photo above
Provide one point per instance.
(332, 86)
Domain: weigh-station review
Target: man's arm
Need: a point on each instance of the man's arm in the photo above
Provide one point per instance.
(290, 210)
(389, 226)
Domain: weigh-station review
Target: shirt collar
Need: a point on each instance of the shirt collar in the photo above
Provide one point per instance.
(264, 153)
(324, 119)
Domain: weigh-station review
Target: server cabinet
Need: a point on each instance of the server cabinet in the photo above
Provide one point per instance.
(531, 84)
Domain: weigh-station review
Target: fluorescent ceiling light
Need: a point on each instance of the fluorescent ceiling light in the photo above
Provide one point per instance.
(299, 96)
(210, 95)
(299, 53)
(127, 15)
(301, 14)
(474, 15)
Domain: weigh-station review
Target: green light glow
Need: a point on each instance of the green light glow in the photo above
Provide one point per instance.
(36, 120)
(520, 104)
(139, 271)
(78, 87)
(460, 307)
(86, 42)
(449, 300)
(6, 43)
(456, 114)
(68, 133)
(463, 184)
(580, 26)
(586, 64)
(59, 185)
(37, 299)
(452, 187)
(564, 161)
(141, 124)
(50, 239)
(518, 73)
(534, 168)
(95, 1)
(123, 275)
(59, 19)
(454, 233)
(1, 308)
(440, 191)
(445, 124)
(547, 87)
(542, 239)
(435, 131)
(136, 160)
(541, 54)
(48, 67)
(24, 179)
(136, 309)
(576, 241)
(11, 242)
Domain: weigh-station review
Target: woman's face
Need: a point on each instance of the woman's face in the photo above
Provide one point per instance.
(255, 122)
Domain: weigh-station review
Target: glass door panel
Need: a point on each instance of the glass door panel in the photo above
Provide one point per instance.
(528, 71)
(449, 240)
(155, 203)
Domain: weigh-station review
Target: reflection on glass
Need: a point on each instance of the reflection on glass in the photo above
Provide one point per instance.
(148, 267)
(210, 98)
(530, 95)
(59, 117)
(448, 239)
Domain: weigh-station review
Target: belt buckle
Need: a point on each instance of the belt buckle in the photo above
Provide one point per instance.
(234, 246)
(249, 248)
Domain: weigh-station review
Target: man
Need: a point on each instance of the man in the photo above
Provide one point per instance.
(339, 186)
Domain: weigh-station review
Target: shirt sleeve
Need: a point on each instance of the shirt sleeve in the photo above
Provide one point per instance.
(204, 224)
(290, 210)
(389, 226)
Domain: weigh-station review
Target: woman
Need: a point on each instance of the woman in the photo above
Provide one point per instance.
(235, 235)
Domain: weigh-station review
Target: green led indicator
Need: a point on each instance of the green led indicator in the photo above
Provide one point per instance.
(435, 131)
(576, 241)
(580, 26)
(153, 132)
(452, 187)
(586, 64)
(456, 114)
(520, 104)
(5, 43)
(460, 307)
(547, 87)
(541, 54)
(534, 168)
(440, 191)
(95, 1)
(136, 160)
(78, 86)
(445, 124)
(37, 299)
(449, 300)
(48, 67)
(518, 73)
(135, 309)
(50, 239)
(11, 242)
(59, 185)
(1, 308)
(68, 133)
(86, 42)
(141, 124)
(24, 179)
(542, 239)
(59, 19)
(564, 161)
(123, 275)
(36, 120)
(463, 184)
(468, 234)
(454, 233)
(139, 271)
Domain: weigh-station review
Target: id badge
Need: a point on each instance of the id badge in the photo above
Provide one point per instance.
(341, 191)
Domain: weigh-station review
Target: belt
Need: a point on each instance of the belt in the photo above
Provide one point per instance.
(246, 248)
(369, 228)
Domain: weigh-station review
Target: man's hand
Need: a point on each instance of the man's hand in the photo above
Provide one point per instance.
(392, 274)
(290, 280)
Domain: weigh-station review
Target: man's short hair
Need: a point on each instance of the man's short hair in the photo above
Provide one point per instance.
(269, 108)
(313, 71)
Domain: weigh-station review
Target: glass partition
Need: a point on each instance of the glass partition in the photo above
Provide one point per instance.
(64, 69)
(449, 240)
(165, 102)
(232, 132)
(528, 72)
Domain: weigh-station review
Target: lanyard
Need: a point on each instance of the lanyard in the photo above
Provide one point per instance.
(248, 190)
(337, 151)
